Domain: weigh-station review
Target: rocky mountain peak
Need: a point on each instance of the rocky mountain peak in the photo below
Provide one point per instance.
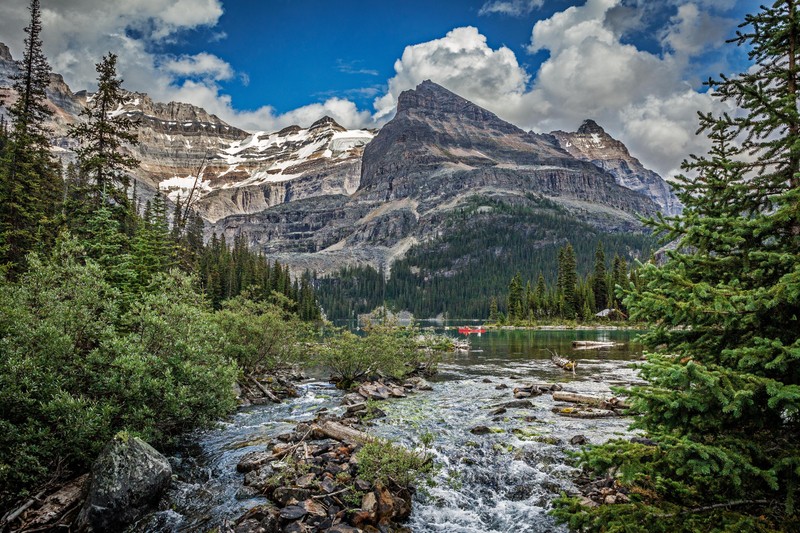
(5, 53)
(589, 126)
(328, 123)
(592, 143)
(431, 101)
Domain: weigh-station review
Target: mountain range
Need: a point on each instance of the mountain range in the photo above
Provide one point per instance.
(325, 197)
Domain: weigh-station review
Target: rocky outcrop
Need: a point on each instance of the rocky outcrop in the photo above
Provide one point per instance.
(592, 143)
(127, 477)
(438, 152)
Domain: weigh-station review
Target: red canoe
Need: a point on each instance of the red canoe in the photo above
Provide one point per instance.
(467, 330)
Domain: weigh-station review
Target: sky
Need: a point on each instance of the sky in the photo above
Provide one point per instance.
(636, 67)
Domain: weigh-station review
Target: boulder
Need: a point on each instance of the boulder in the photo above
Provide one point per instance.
(127, 478)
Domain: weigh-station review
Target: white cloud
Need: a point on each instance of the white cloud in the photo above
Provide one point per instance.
(201, 65)
(460, 61)
(514, 8)
(639, 97)
(692, 31)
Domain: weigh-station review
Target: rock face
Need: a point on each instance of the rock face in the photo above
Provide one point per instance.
(322, 197)
(592, 143)
(438, 152)
(185, 150)
(128, 476)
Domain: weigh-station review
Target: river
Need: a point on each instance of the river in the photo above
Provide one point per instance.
(503, 481)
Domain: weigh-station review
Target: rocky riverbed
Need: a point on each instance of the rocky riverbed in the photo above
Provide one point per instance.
(502, 479)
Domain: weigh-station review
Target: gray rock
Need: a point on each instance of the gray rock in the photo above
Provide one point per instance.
(127, 477)
(293, 512)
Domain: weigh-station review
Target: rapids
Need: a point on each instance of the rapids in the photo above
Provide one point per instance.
(503, 481)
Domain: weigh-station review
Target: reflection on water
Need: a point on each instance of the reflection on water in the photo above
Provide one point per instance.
(504, 481)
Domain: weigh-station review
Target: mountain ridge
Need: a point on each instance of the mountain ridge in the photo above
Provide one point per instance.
(323, 197)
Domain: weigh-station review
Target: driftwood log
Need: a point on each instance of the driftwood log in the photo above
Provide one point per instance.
(268, 393)
(603, 403)
(342, 433)
(564, 363)
(584, 412)
(593, 345)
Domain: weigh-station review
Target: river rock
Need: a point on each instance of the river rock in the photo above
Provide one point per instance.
(127, 477)
(352, 398)
(417, 383)
(498, 411)
(344, 528)
(283, 495)
(517, 404)
(259, 519)
(356, 408)
(480, 430)
(259, 478)
(293, 512)
(253, 460)
(578, 440)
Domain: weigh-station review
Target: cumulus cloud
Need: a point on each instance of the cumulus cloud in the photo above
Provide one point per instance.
(202, 65)
(462, 62)
(514, 8)
(591, 70)
(692, 31)
(641, 98)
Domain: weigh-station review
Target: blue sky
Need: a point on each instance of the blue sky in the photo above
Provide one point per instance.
(635, 66)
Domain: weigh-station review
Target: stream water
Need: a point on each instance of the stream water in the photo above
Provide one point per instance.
(503, 481)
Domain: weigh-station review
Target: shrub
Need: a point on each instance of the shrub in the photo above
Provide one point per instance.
(74, 370)
(260, 336)
(388, 463)
(382, 349)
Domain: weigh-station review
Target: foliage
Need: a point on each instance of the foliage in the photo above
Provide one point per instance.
(30, 182)
(451, 274)
(383, 349)
(75, 369)
(388, 463)
(572, 298)
(103, 134)
(723, 393)
(260, 336)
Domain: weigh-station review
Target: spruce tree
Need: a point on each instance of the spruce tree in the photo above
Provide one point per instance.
(723, 400)
(30, 186)
(104, 134)
(599, 286)
(569, 279)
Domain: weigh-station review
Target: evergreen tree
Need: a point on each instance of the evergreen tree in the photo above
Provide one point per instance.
(515, 297)
(599, 285)
(723, 399)
(568, 277)
(30, 186)
(493, 311)
(104, 134)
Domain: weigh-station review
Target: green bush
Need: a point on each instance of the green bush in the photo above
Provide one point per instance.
(383, 349)
(74, 370)
(381, 461)
(260, 336)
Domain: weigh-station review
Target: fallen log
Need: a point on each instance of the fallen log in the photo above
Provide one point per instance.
(564, 363)
(340, 432)
(584, 413)
(58, 504)
(268, 393)
(572, 397)
(588, 345)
